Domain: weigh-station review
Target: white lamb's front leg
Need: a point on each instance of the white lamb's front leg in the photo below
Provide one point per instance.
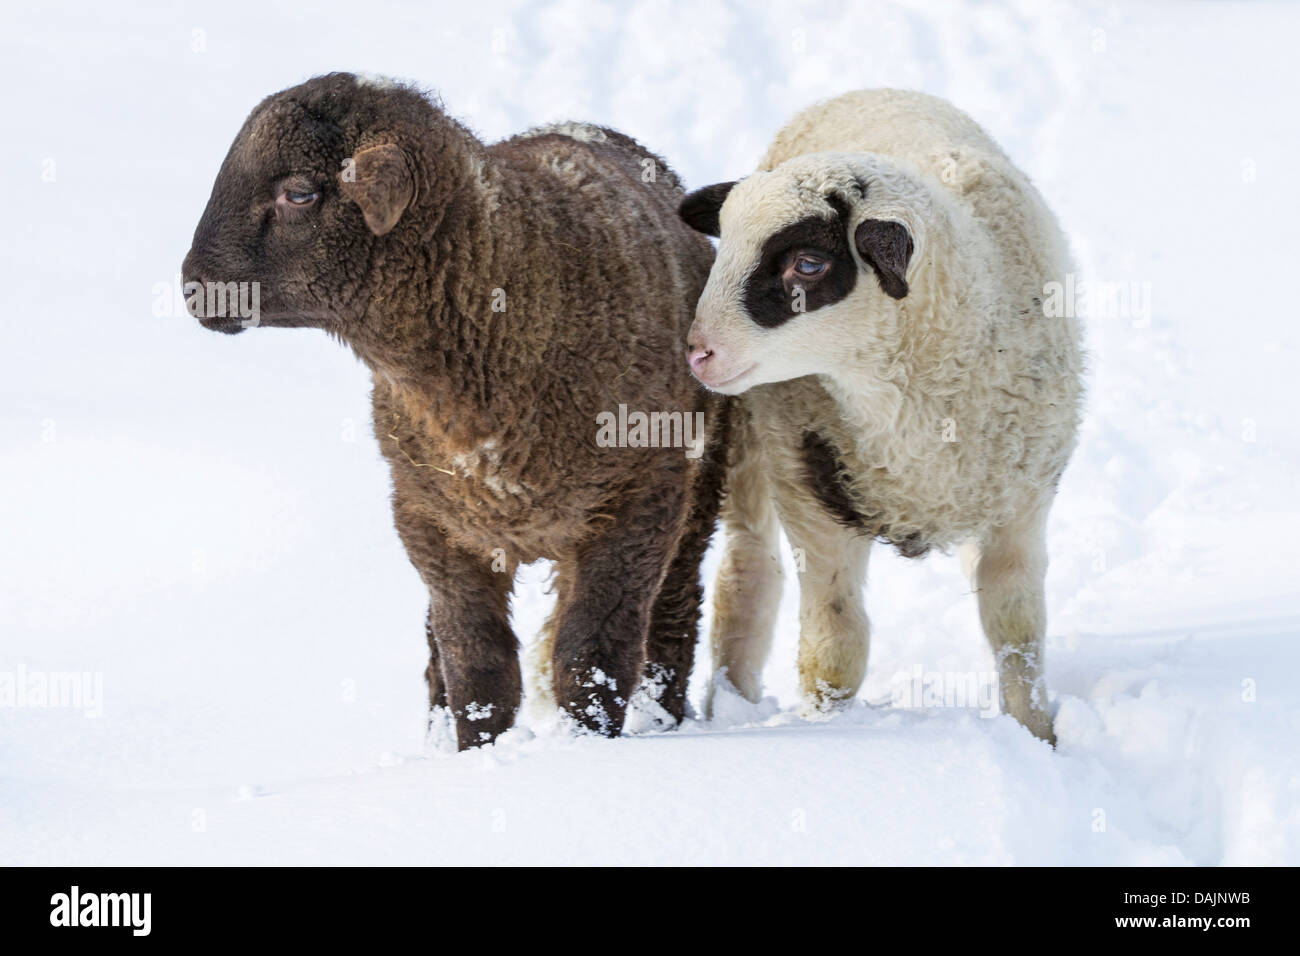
(1009, 573)
(833, 626)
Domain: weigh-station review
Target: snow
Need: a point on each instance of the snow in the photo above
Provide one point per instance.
(201, 522)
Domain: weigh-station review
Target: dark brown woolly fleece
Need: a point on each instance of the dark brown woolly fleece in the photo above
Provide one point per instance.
(489, 417)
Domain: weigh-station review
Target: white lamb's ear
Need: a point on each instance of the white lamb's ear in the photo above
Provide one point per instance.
(700, 209)
(381, 180)
(886, 246)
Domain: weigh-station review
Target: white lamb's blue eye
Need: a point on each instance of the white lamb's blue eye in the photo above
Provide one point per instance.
(809, 267)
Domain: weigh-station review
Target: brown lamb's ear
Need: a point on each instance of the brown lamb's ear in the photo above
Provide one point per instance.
(886, 246)
(380, 180)
(699, 209)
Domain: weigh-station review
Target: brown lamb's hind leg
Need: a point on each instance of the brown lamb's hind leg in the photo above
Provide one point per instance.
(441, 725)
(675, 617)
(602, 620)
(433, 673)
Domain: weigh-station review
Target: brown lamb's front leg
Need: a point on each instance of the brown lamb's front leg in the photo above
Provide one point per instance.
(473, 654)
(477, 653)
(602, 623)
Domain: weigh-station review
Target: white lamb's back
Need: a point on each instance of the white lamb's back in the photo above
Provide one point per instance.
(1024, 436)
(909, 126)
(932, 136)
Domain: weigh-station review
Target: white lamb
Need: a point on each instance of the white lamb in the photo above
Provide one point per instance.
(877, 298)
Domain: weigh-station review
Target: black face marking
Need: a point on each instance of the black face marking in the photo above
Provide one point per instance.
(769, 294)
(825, 474)
(700, 209)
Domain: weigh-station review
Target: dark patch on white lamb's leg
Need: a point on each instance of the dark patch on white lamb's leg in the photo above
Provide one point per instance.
(825, 476)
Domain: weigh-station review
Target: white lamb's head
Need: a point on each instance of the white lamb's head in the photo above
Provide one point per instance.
(812, 265)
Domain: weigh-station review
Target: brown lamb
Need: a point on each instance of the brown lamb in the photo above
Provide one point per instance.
(504, 297)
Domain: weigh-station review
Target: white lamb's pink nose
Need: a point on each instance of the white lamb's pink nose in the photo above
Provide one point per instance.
(697, 357)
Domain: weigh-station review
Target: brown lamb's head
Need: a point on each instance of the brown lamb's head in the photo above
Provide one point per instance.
(318, 180)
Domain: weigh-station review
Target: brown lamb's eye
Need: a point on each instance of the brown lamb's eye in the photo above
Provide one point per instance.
(292, 198)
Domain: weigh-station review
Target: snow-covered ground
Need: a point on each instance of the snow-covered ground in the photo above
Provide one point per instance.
(201, 522)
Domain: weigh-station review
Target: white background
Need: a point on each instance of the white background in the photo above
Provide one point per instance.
(204, 520)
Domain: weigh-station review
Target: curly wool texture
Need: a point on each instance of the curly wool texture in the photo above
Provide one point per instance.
(922, 397)
(960, 406)
(505, 298)
(592, 293)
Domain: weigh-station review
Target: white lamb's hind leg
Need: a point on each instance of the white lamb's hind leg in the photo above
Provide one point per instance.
(539, 696)
(968, 553)
(1009, 579)
(747, 592)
